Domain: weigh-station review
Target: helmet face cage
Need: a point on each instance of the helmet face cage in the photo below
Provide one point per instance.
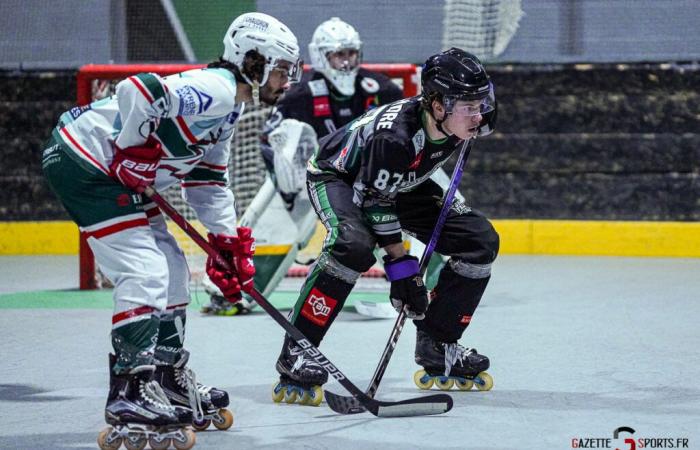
(267, 36)
(332, 36)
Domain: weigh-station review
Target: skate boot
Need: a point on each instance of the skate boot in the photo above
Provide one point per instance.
(138, 413)
(447, 364)
(206, 404)
(300, 377)
(219, 306)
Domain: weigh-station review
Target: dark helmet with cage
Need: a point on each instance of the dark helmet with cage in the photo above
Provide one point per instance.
(455, 75)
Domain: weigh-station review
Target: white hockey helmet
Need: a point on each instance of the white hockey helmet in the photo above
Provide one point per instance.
(269, 37)
(331, 36)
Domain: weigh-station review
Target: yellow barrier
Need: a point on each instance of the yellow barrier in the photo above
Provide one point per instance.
(544, 237)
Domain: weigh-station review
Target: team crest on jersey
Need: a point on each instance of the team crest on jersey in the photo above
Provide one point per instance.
(370, 85)
(192, 101)
(419, 140)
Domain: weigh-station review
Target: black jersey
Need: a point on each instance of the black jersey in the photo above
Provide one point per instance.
(382, 153)
(314, 101)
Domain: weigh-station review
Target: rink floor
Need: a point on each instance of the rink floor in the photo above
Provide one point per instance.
(579, 346)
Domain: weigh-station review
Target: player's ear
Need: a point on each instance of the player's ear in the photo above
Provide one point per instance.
(438, 109)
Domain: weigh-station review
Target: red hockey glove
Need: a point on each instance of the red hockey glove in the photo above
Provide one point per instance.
(238, 251)
(245, 249)
(135, 167)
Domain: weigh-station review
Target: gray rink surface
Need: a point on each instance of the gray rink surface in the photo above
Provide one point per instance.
(578, 345)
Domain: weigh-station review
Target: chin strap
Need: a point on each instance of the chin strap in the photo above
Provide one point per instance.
(438, 124)
(256, 93)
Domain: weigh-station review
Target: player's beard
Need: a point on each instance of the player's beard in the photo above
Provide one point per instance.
(269, 97)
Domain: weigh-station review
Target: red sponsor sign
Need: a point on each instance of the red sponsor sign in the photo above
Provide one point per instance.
(318, 307)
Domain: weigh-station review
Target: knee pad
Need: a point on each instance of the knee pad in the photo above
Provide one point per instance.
(354, 246)
(469, 270)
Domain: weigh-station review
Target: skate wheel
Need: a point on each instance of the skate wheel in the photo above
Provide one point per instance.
(102, 440)
(278, 392)
(444, 383)
(201, 425)
(159, 444)
(483, 381)
(422, 379)
(223, 420)
(313, 397)
(186, 440)
(135, 442)
(290, 396)
(464, 385)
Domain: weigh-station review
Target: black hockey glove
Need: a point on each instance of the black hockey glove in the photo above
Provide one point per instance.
(407, 288)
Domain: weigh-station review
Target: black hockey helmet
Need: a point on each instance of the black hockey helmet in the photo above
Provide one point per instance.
(455, 75)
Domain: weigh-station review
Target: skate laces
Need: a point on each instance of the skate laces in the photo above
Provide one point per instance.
(455, 353)
(153, 394)
(186, 378)
(299, 353)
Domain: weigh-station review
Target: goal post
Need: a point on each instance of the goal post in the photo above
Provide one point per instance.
(246, 168)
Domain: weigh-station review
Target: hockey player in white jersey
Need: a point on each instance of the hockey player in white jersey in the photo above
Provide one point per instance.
(156, 132)
(332, 94)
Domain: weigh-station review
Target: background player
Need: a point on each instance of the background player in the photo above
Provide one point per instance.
(160, 131)
(368, 182)
(329, 96)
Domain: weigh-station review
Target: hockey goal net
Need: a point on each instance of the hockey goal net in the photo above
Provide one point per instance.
(246, 168)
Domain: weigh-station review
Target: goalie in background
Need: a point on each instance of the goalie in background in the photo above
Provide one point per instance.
(160, 131)
(333, 93)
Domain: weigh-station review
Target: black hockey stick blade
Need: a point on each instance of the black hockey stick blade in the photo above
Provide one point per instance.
(419, 406)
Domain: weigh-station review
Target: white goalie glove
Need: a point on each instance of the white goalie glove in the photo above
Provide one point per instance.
(292, 142)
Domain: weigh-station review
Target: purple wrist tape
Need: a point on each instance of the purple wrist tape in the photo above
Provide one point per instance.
(403, 269)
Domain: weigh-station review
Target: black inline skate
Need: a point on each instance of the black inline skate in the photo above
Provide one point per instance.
(301, 377)
(446, 364)
(139, 412)
(207, 404)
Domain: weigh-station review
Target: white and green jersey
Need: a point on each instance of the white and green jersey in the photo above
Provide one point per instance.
(192, 114)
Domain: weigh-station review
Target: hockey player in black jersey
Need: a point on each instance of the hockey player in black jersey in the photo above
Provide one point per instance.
(368, 182)
(334, 92)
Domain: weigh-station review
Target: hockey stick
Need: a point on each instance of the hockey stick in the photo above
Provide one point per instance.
(349, 405)
(426, 405)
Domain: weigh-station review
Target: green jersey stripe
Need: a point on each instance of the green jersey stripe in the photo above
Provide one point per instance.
(201, 174)
(172, 140)
(151, 83)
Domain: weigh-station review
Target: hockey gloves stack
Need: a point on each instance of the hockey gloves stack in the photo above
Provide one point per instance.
(407, 288)
(238, 251)
(135, 167)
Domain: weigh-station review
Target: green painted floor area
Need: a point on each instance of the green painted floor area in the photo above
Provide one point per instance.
(102, 299)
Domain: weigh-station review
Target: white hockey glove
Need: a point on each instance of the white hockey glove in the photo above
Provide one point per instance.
(293, 142)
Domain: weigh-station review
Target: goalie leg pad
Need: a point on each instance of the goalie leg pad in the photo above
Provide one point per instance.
(292, 143)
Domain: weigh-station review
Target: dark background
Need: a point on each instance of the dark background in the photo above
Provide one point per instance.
(572, 142)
